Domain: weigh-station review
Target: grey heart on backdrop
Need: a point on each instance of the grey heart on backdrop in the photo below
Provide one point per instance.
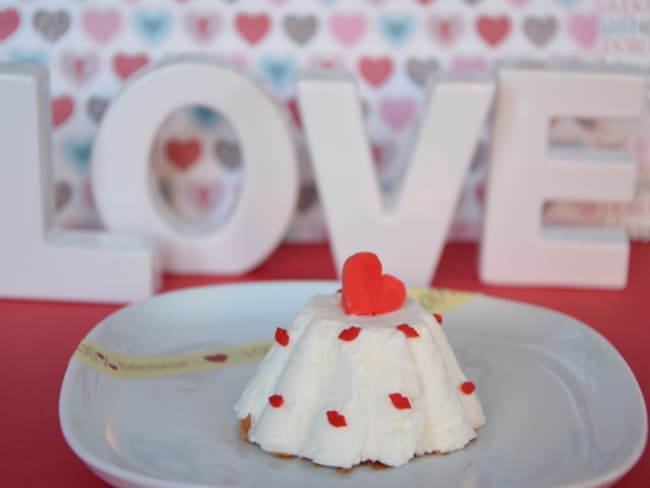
(589, 124)
(62, 194)
(540, 30)
(420, 70)
(300, 28)
(644, 27)
(307, 197)
(51, 24)
(228, 153)
(96, 106)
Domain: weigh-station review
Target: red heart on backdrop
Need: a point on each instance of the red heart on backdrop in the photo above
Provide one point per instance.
(253, 27)
(445, 29)
(9, 20)
(365, 290)
(62, 108)
(125, 65)
(203, 27)
(375, 70)
(294, 110)
(183, 154)
(479, 192)
(493, 30)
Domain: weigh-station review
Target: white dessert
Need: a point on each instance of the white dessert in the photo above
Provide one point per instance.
(399, 391)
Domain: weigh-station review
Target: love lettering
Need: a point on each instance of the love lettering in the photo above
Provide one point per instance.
(407, 228)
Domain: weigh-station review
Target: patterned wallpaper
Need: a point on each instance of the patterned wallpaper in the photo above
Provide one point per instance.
(392, 48)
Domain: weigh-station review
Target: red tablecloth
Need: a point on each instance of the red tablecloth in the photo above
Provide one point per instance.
(38, 338)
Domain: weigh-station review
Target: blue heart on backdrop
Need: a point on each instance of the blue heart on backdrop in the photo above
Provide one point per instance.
(77, 152)
(153, 27)
(396, 29)
(204, 116)
(38, 57)
(277, 71)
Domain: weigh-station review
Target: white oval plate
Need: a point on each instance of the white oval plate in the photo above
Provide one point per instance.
(562, 406)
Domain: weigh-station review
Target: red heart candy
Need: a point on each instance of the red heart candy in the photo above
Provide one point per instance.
(349, 334)
(438, 318)
(468, 387)
(276, 401)
(408, 331)
(281, 336)
(399, 401)
(365, 290)
(336, 419)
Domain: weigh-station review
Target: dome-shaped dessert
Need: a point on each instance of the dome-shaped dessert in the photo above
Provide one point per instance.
(341, 388)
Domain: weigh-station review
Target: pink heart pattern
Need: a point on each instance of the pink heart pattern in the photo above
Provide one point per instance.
(202, 27)
(347, 29)
(584, 29)
(80, 68)
(397, 112)
(101, 25)
(445, 30)
(92, 50)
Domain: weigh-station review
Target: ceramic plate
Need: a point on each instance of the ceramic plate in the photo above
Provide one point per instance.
(562, 406)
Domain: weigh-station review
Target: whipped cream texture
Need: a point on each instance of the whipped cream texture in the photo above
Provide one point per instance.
(344, 389)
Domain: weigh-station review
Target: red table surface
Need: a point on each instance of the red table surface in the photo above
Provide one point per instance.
(38, 338)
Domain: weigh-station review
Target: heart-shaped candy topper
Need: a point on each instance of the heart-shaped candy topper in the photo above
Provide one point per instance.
(365, 290)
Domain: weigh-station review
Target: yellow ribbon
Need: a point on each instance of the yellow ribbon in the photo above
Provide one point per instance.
(435, 300)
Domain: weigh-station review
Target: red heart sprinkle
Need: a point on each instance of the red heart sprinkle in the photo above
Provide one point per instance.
(113, 366)
(276, 401)
(399, 401)
(216, 358)
(100, 355)
(281, 336)
(336, 419)
(365, 290)
(350, 334)
(407, 330)
(468, 387)
(438, 318)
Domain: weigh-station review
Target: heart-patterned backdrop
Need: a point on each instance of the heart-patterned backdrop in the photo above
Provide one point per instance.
(391, 49)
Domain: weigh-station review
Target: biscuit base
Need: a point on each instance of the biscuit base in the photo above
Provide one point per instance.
(245, 425)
